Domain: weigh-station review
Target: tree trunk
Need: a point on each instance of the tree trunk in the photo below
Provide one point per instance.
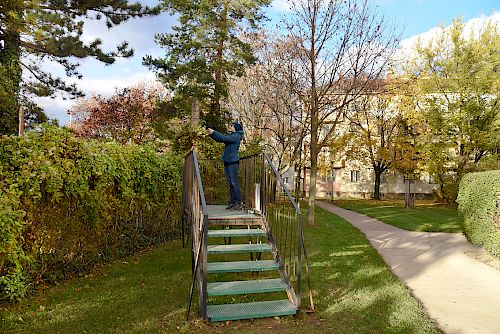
(314, 122)
(10, 63)
(409, 196)
(440, 191)
(376, 188)
(21, 120)
(298, 181)
(299, 167)
(215, 107)
(314, 151)
(312, 187)
(195, 112)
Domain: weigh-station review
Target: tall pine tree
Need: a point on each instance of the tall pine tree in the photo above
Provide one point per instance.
(35, 30)
(205, 49)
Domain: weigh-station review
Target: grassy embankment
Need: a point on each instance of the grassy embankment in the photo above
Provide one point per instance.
(355, 292)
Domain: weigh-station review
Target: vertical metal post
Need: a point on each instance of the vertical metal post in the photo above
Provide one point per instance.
(246, 191)
(262, 185)
(299, 260)
(205, 251)
(183, 203)
(257, 196)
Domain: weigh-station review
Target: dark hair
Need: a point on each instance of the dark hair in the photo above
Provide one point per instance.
(237, 126)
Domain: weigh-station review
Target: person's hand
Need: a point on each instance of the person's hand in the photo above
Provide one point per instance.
(210, 131)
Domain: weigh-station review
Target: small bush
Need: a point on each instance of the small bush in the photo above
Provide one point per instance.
(67, 203)
(479, 208)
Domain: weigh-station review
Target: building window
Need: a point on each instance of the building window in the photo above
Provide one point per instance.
(285, 180)
(355, 176)
(383, 178)
(332, 176)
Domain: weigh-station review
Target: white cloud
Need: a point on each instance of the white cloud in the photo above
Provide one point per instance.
(280, 5)
(138, 32)
(108, 86)
(473, 26)
(408, 44)
(476, 24)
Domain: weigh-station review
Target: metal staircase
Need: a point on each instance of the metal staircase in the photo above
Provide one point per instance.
(245, 264)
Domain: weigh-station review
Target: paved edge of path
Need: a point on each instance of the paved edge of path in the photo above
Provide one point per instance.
(459, 292)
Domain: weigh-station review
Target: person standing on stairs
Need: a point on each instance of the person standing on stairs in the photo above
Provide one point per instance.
(231, 160)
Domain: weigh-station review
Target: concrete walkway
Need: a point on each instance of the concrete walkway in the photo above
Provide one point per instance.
(461, 293)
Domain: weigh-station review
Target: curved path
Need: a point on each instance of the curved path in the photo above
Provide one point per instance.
(461, 293)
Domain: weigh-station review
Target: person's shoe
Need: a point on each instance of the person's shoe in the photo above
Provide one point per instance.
(237, 206)
(230, 206)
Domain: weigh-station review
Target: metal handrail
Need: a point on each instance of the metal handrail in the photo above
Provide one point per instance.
(194, 197)
(204, 207)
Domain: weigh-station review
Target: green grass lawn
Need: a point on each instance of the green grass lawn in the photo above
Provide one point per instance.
(355, 292)
(426, 216)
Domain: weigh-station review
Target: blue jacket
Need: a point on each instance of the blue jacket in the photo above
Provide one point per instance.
(232, 142)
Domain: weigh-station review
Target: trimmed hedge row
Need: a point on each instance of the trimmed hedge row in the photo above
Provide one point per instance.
(67, 204)
(479, 208)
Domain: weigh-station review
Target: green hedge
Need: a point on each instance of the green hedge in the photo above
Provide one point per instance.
(479, 208)
(67, 204)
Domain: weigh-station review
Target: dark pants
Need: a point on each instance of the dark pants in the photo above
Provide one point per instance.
(231, 172)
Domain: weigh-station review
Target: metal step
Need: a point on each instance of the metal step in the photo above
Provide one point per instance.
(241, 266)
(218, 213)
(253, 232)
(250, 310)
(239, 248)
(244, 287)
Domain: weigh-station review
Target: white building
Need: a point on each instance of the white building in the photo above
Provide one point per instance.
(357, 181)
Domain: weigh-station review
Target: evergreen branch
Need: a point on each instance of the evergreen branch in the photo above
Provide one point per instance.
(30, 69)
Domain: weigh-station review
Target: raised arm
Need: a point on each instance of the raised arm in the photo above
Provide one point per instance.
(230, 138)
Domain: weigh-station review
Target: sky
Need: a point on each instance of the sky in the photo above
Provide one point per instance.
(415, 17)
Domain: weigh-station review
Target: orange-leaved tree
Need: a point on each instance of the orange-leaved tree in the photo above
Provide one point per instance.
(127, 116)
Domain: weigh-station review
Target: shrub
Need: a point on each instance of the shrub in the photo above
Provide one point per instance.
(479, 208)
(67, 203)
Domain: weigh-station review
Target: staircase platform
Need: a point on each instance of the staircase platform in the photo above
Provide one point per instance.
(245, 287)
(253, 310)
(239, 248)
(241, 266)
(252, 232)
(218, 215)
